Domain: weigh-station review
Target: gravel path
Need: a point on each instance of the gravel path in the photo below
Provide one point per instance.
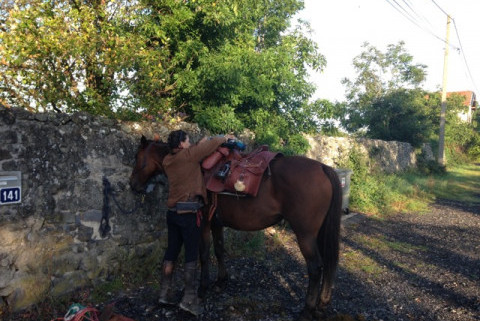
(403, 267)
(415, 267)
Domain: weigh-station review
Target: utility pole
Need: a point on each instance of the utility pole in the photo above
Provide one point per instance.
(441, 136)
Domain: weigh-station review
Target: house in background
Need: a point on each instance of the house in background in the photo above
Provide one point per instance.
(470, 103)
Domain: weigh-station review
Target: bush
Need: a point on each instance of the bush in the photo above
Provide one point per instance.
(473, 148)
(462, 143)
(296, 144)
(275, 131)
(218, 120)
(428, 167)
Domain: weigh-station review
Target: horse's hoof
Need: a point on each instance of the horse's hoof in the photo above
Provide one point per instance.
(320, 314)
(202, 292)
(220, 286)
(305, 315)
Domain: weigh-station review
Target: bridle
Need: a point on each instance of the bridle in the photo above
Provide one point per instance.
(109, 192)
(146, 153)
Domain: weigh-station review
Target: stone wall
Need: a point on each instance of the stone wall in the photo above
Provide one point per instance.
(50, 242)
(389, 156)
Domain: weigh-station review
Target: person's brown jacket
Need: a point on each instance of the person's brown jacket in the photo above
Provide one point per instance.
(183, 170)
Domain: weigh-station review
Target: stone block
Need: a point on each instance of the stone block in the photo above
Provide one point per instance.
(27, 290)
(65, 263)
(68, 283)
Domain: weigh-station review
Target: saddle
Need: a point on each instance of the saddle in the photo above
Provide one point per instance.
(227, 170)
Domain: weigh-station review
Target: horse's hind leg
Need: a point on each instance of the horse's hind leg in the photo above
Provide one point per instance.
(219, 247)
(309, 248)
(325, 295)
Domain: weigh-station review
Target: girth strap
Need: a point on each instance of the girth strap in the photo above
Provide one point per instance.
(213, 206)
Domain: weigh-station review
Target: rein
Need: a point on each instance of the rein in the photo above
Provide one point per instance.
(107, 192)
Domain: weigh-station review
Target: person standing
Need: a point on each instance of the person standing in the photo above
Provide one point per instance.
(186, 184)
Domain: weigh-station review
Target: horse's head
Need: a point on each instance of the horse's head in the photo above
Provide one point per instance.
(148, 163)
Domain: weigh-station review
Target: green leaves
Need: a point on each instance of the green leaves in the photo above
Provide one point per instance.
(385, 100)
(219, 120)
(64, 57)
(402, 115)
(220, 62)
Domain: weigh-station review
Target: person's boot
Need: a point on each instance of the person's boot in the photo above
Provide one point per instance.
(190, 301)
(167, 294)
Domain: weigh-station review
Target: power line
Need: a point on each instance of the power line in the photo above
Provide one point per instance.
(421, 16)
(463, 55)
(408, 16)
(440, 8)
(461, 46)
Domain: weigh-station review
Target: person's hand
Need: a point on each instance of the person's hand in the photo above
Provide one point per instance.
(230, 136)
(204, 139)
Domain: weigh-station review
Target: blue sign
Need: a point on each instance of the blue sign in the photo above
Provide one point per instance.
(10, 195)
(10, 187)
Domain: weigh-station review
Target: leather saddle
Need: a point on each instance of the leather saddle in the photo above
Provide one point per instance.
(227, 170)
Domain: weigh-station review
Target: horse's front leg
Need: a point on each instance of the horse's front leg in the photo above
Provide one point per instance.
(205, 242)
(219, 247)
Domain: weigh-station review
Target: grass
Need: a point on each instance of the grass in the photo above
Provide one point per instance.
(244, 243)
(377, 242)
(382, 194)
(461, 183)
(355, 260)
(102, 291)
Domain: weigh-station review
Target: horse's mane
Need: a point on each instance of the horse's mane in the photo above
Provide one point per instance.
(160, 144)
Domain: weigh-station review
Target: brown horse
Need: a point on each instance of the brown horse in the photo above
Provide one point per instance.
(304, 192)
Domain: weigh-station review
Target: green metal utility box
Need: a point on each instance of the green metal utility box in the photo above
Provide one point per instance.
(344, 175)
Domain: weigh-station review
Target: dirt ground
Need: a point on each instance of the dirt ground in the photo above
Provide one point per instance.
(403, 267)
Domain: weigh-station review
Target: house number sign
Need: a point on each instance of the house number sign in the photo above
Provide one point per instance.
(10, 188)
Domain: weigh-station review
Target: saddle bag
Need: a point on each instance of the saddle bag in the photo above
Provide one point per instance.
(245, 177)
(215, 157)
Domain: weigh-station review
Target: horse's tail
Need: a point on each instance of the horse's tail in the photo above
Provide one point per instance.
(329, 236)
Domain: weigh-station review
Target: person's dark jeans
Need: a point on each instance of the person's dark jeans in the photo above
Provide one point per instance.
(182, 229)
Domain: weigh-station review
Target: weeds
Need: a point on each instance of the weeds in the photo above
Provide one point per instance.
(382, 194)
(101, 292)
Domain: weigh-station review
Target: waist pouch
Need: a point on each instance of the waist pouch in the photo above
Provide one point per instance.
(187, 207)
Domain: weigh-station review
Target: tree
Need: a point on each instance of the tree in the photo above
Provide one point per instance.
(256, 68)
(378, 75)
(401, 115)
(461, 138)
(66, 55)
(162, 57)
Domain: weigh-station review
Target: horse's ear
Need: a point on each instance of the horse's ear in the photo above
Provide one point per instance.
(143, 141)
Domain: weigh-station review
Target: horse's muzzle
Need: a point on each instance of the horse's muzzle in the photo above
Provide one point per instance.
(136, 187)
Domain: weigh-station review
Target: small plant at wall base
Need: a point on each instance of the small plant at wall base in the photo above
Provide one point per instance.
(378, 193)
(428, 166)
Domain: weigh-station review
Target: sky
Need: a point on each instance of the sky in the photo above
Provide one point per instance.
(340, 27)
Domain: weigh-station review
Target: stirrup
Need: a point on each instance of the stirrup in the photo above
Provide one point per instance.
(223, 172)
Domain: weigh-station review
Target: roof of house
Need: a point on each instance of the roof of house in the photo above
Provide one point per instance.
(469, 97)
